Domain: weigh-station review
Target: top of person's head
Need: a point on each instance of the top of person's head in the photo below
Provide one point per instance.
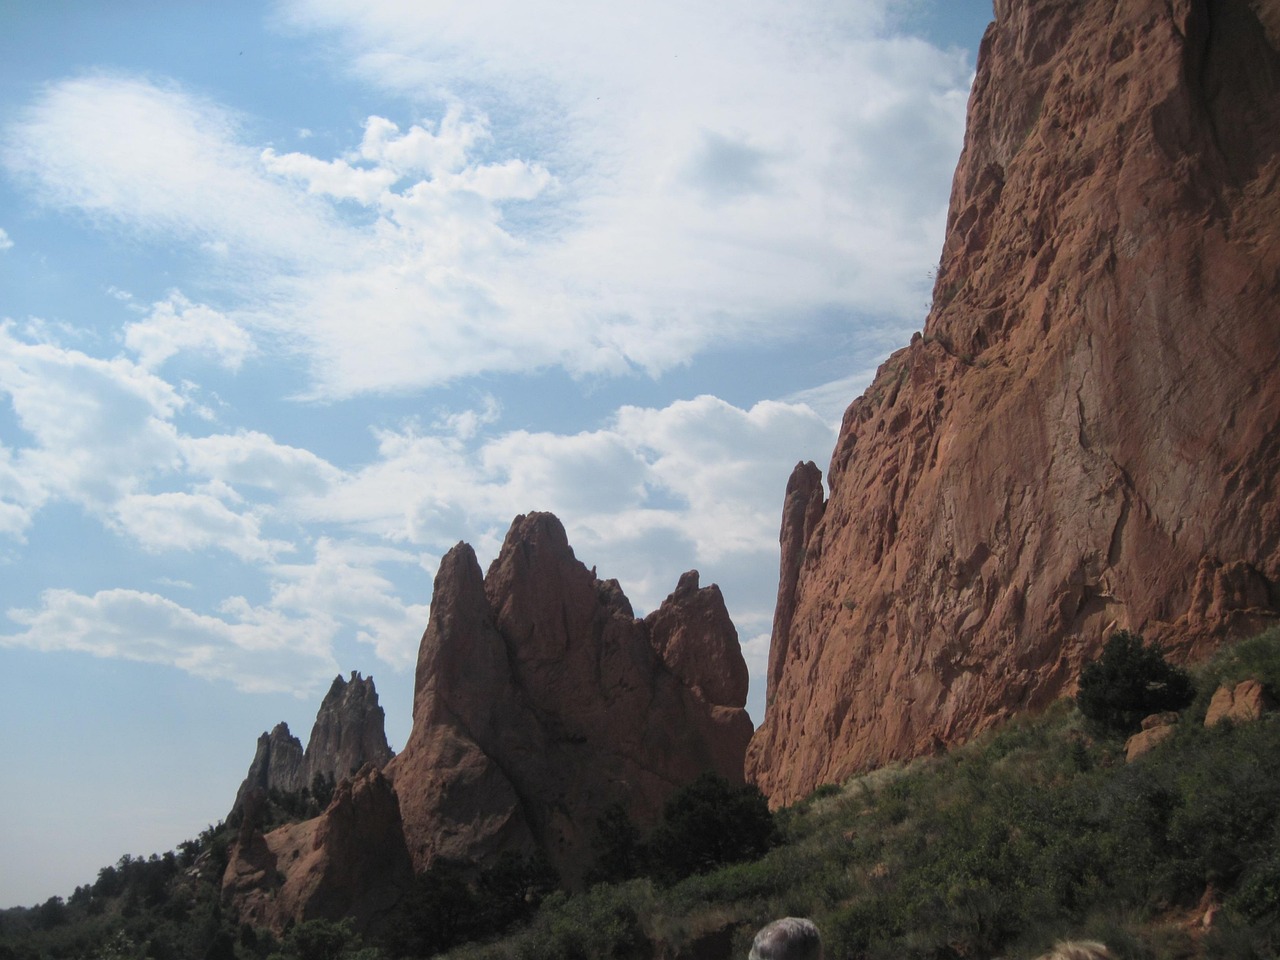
(1078, 950)
(791, 938)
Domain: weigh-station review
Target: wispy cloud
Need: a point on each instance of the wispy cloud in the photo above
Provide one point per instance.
(660, 183)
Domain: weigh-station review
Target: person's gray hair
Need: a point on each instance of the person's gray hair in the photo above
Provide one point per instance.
(791, 938)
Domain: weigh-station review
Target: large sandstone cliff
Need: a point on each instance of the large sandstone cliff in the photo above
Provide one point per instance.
(540, 699)
(1086, 435)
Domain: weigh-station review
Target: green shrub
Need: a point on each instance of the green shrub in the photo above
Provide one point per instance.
(1128, 682)
(707, 824)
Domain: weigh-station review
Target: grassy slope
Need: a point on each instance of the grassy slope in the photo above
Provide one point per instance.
(1031, 834)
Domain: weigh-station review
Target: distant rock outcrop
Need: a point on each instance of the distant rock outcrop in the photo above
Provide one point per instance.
(278, 764)
(349, 732)
(540, 699)
(351, 861)
(1087, 434)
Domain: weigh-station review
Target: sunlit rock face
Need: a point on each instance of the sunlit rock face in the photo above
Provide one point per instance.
(1086, 435)
(540, 699)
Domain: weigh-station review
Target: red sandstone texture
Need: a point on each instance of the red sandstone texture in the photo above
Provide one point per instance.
(1087, 434)
(540, 699)
(351, 861)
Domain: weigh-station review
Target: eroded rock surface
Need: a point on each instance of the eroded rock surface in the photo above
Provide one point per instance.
(1086, 435)
(540, 699)
(351, 861)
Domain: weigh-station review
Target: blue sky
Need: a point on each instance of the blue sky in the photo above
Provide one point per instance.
(295, 296)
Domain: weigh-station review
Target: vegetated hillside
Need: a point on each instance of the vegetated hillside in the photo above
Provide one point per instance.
(1087, 433)
(1031, 833)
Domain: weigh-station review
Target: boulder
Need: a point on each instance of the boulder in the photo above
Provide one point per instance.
(1243, 703)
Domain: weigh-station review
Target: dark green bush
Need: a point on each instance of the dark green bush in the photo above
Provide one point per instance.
(1128, 682)
(707, 824)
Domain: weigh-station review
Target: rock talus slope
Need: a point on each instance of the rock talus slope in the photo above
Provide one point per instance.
(1087, 433)
(540, 699)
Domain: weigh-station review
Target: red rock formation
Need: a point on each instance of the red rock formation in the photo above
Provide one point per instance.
(351, 861)
(1245, 702)
(1086, 435)
(540, 700)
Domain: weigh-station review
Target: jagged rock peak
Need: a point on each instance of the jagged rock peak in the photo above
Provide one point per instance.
(277, 764)
(350, 730)
(1085, 435)
(348, 733)
(540, 700)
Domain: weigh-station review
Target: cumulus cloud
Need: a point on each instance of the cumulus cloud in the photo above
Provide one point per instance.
(176, 325)
(344, 583)
(697, 482)
(251, 458)
(185, 521)
(99, 428)
(650, 492)
(5, 242)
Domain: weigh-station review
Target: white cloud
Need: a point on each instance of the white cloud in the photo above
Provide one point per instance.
(696, 482)
(183, 521)
(160, 160)
(100, 427)
(657, 185)
(175, 325)
(5, 242)
(251, 458)
(343, 583)
(256, 649)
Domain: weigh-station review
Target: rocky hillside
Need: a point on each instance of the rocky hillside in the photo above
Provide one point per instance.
(350, 731)
(540, 700)
(1086, 434)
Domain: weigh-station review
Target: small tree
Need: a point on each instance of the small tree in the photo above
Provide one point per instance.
(708, 824)
(618, 847)
(1127, 682)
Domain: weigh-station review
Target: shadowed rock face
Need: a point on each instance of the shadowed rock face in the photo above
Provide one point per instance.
(540, 699)
(348, 733)
(350, 861)
(1086, 435)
